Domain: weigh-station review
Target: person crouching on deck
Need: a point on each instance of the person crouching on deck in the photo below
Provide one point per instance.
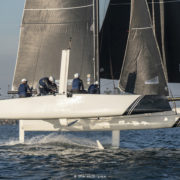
(77, 84)
(94, 88)
(47, 86)
(24, 90)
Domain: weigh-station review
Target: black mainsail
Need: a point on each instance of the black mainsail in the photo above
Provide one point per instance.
(47, 27)
(143, 69)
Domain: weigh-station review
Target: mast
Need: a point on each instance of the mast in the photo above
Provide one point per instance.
(96, 38)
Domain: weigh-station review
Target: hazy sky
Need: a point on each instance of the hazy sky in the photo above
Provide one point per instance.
(10, 21)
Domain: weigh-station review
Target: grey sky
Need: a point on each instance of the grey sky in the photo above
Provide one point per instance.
(10, 20)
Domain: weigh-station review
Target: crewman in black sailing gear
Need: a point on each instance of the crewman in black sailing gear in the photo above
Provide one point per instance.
(24, 90)
(47, 86)
(77, 84)
(94, 88)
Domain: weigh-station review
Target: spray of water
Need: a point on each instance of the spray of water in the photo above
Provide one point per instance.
(60, 139)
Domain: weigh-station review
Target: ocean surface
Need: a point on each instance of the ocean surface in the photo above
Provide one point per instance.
(144, 154)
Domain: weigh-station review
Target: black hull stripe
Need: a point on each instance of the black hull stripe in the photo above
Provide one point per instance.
(148, 104)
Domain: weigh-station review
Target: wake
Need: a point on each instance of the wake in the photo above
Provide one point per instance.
(60, 140)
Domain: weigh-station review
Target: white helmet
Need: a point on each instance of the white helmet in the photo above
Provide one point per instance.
(96, 82)
(23, 80)
(76, 75)
(51, 79)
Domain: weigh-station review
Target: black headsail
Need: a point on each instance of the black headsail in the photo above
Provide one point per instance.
(143, 70)
(47, 27)
(113, 38)
(172, 39)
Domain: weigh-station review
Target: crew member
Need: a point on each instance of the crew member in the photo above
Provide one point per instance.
(77, 84)
(94, 88)
(24, 90)
(47, 86)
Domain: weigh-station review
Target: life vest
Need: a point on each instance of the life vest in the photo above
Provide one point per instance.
(93, 89)
(22, 90)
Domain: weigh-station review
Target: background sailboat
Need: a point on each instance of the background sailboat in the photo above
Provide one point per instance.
(143, 68)
(114, 34)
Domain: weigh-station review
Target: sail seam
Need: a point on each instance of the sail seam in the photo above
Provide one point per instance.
(57, 9)
(51, 23)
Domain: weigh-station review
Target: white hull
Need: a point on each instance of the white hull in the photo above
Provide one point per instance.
(82, 112)
(61, 106)
(145, 121)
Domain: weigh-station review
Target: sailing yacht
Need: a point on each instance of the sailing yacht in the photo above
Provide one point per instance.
(111, 39)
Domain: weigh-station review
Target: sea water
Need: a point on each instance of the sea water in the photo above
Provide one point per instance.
(144, 154)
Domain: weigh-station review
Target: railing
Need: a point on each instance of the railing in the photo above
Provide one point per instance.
(34, 91)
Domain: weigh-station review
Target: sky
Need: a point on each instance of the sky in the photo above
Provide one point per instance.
(10, 21)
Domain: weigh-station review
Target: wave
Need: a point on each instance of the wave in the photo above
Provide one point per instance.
(64, 139)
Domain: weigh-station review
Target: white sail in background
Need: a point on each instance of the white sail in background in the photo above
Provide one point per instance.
(103, 6)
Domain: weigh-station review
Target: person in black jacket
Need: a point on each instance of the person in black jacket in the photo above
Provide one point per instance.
(94, 88)
(24, 90)
(47, 86)
(77, 84)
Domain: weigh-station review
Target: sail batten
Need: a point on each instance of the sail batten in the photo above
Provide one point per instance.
(140, 28)
(57, 9)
